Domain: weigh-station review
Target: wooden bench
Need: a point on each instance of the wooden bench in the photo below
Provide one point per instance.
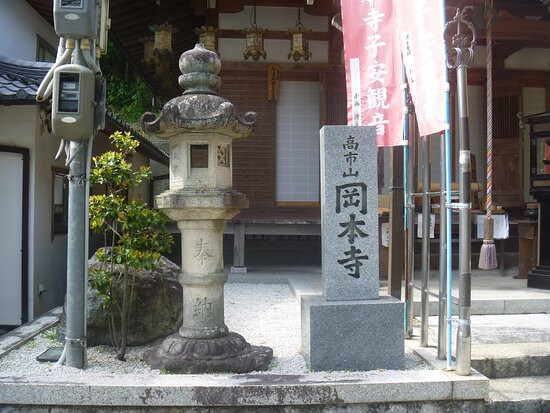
(277, 221)
(270, 221)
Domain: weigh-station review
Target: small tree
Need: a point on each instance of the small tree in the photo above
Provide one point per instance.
(134, 235)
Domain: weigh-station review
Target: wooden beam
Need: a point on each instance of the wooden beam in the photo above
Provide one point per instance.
(318, 8)
(285, 67)
(271, 34)
(519, 29)
(527, 78)
(514, 7)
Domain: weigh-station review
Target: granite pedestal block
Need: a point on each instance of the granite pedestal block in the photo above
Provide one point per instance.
(352, 335)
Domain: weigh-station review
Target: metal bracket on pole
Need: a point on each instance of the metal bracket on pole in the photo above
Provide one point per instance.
(464, 322)
(459, 205)
(81, 341)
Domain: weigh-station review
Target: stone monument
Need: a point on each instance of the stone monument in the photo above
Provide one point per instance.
(200, 126)
(350, 326)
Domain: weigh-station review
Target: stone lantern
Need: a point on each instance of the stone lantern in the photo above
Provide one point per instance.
(200, 126)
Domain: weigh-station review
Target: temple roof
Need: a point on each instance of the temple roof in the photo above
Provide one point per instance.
(19, 80)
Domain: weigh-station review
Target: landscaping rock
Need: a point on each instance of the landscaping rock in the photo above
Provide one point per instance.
(156, 308)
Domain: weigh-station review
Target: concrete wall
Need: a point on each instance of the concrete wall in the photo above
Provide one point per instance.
(19, 25)
(47, 256)
(272, 18)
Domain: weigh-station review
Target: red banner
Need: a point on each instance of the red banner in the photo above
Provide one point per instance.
(373, 68)
(420, 25)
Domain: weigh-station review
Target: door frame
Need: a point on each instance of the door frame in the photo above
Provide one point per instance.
(24, 230)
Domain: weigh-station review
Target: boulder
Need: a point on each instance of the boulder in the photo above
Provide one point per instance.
(156, 310)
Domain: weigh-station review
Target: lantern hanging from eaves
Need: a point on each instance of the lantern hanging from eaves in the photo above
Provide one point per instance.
(208, 37)
(254, 39)
(163, 36)
(299, 43)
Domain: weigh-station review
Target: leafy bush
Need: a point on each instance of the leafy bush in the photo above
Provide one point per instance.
(134, 235)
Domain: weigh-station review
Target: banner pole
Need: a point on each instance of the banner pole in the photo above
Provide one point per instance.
(447, 206)
(408, 212)
(460, 56)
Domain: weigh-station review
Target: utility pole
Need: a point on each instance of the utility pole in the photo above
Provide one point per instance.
(77, 256)
(78, 111)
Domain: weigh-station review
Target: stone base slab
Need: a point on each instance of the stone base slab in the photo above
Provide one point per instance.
(352, 335)
(267, 391)
(231, 353)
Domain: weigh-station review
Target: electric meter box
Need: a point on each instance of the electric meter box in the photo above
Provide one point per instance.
(73, 102)
(75, 19)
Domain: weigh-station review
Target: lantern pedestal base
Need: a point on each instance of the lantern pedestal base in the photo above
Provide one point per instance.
(231, 353)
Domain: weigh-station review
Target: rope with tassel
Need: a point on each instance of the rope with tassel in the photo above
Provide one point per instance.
(488, 254)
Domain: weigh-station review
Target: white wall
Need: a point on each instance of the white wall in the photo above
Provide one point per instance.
(47, 257)
(14, 134)
(271, 18)
(50, 256)
(529, 59)
(19, 25)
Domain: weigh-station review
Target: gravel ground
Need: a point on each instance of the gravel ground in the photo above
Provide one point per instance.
(265, 314)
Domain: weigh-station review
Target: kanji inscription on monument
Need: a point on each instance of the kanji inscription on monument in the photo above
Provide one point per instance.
(349, 213)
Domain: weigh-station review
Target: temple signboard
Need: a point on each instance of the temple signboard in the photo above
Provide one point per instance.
(349, 211)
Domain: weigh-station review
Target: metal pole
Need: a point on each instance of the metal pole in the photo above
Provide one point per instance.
(448, 226)
(411, 178)
(76, 258)
(441, 326)
(460, 57)
(425, 242)
(464, 240)
(408, 214)
(76, 249)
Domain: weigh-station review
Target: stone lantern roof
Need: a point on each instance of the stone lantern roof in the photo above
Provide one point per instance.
(199, 108)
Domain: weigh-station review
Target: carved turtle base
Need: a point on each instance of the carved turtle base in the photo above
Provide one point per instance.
(231, 353)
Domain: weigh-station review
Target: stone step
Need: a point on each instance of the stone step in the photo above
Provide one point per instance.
(497, 361)
(519, 395)
(539, 277)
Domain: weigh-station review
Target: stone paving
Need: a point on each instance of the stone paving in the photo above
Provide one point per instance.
(510, 333)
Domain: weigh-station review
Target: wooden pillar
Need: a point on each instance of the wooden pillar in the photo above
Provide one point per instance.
(238, 248)
(397, 240)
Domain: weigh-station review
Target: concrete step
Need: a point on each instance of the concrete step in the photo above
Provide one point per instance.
(519, 395)
(497, 361)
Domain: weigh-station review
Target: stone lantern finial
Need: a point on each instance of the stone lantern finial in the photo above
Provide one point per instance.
(199, 69)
